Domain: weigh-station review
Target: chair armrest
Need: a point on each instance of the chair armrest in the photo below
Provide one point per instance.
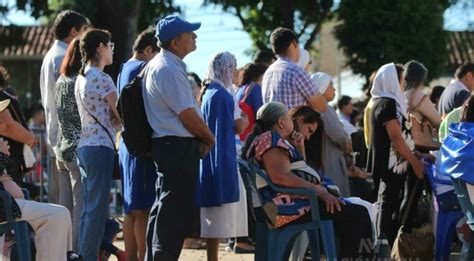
(311, 194)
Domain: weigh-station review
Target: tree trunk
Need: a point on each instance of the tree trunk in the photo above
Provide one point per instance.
(121, 20)
(287, 11)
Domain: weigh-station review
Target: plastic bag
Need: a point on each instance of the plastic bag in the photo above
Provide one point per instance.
(457, 152)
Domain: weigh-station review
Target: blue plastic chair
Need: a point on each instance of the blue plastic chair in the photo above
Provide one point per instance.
(467, 208)
(20, 228)
(278, 242)
(446, 219)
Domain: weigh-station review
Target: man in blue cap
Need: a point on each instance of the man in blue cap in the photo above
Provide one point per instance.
(180, 138)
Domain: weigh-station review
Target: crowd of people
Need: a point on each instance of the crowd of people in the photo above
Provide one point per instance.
(273, 112)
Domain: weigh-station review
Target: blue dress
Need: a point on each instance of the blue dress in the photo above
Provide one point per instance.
(218, 181)
(138, 175)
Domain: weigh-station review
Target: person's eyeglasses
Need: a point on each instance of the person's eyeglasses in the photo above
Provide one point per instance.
(111, 46)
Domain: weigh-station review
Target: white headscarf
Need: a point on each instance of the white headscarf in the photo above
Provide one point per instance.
(386, 84)
(304, 59)
(321, 81)
(221, 69)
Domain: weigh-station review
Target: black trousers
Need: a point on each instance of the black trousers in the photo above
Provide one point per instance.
(352, 227)
(172, 213)
(394, 191)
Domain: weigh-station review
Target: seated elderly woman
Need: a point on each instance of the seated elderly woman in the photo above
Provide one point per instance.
(274, 145)
(47, 220)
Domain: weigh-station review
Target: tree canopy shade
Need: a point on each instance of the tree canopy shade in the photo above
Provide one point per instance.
(123, 18)
(372, 33)
(260, 18)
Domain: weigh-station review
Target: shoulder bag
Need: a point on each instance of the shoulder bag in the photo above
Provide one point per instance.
(116, 174)
(424, 134)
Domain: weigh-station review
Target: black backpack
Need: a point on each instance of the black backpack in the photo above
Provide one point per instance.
(137, 131)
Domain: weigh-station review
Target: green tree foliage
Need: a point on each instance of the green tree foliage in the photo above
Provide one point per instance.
(259, 18)
(36, 8)
(372, 33)
(123, 18)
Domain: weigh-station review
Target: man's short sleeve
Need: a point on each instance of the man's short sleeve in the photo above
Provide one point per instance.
(175, 90)
(460, 97)
(304, 84)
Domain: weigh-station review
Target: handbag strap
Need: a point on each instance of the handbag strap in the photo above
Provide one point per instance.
(98, 122)
(247, 91)
(412, 108)
(410, 202)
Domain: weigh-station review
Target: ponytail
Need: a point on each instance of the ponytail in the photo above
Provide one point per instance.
(205, 85)
(83, 64)
(90, 40)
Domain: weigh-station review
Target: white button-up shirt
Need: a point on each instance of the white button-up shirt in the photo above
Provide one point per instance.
(48, 76)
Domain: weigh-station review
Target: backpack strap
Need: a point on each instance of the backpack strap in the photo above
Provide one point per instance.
(142, 69)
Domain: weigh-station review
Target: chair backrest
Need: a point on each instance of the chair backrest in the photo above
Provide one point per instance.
(248, 177)
(464, 200)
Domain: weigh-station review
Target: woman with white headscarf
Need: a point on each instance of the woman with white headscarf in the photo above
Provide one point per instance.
(392, 148)
(335, 139)
(220, 193)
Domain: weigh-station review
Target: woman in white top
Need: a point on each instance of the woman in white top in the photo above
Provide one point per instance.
(96, 97)
(419, 103)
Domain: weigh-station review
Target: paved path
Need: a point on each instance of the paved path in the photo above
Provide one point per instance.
(200, 255)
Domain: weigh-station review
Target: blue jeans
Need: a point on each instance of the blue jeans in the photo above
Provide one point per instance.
(96, 164)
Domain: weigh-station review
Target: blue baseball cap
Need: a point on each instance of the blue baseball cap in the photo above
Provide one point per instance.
(173, 25)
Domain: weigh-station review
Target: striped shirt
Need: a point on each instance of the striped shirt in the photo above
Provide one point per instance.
(287, 83)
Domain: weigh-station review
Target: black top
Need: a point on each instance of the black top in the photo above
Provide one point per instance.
(16, 148)
(385, 159)
(69, 120)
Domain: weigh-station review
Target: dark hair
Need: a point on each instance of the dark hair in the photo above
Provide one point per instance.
(4, 77)
(252, 72)
(467, 114)
(313, 146)
(463, 70)
(90, 40)
(196, 78)
(145, 39)
(281, 38)
(343, 101)
(34, 109)
(264, 57)
(353, 116)
(399, 69)
(436, 92)
(415, 74)
(72, 61)
(65, 21)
